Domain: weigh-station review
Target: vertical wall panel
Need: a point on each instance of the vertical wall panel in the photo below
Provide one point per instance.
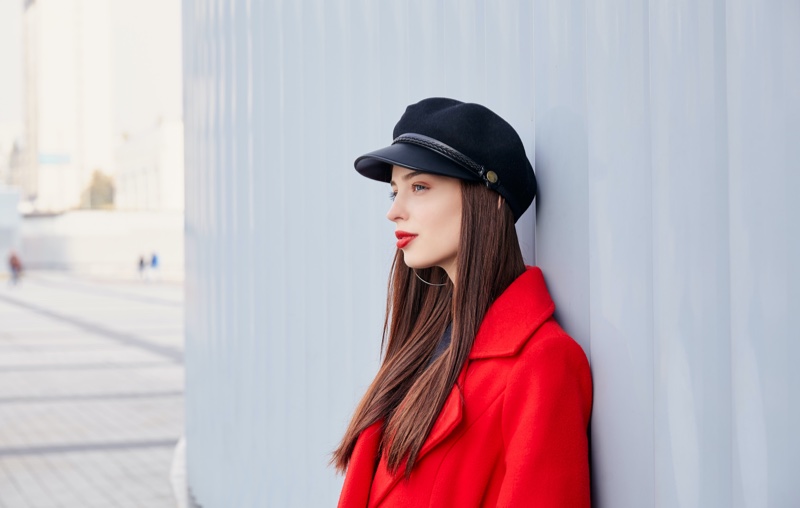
(620, 251)
(763, 101)
(691, 329)
(666, 151)
(561, 159)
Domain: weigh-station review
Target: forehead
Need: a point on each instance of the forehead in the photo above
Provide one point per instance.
(400, 174)
(399, 171)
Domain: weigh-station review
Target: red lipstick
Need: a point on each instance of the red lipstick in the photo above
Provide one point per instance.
(403, 238)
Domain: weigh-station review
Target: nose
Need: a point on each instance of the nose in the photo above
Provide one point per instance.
(397, 211)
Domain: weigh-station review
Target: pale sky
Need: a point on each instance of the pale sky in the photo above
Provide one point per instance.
(146, 69)
(10, 62)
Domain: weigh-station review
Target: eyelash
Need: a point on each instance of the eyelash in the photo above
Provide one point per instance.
(393, 194)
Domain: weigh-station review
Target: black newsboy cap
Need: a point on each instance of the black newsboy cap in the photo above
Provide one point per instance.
(461, 140)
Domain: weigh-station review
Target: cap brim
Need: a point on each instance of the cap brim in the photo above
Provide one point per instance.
(377, 165)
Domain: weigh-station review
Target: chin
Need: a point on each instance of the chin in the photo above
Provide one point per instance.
(416, 264)
(420, 264)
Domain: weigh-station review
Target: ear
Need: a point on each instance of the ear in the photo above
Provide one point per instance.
(499, 201)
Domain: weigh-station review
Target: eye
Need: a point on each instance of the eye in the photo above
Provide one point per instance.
(392, 195)
(418, 187)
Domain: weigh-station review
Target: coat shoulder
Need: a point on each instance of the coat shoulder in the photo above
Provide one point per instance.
(550, 341)
(553, 361)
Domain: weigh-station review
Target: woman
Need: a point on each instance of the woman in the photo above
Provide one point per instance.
(482, 399)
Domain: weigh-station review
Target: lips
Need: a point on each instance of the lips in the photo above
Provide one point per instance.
(403, 238)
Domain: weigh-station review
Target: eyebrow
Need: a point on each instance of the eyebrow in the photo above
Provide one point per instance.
(409, 176)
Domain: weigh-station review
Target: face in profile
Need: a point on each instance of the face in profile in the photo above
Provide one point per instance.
(426, 210)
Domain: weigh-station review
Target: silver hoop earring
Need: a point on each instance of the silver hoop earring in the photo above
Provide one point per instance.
(425, 281)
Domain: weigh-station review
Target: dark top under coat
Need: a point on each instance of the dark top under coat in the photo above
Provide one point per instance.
(444, 342)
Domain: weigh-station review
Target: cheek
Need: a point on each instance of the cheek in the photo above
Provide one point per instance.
(451, 229)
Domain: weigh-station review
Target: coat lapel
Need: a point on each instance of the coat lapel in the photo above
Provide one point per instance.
(449, 417)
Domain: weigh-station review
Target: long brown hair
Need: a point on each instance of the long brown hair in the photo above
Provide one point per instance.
(408, 393)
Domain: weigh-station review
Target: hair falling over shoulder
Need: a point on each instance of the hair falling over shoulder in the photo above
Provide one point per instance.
(407, 393)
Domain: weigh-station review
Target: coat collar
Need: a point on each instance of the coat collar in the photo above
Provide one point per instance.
(514, 316)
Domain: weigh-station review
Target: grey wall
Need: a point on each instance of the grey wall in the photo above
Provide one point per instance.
(666, 147)
(667, 143)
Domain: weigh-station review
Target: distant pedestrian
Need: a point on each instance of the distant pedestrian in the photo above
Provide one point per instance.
(15, 265)
(142, 267)
(154, 265)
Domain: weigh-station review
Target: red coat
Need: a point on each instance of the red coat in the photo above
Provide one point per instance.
(519, 438)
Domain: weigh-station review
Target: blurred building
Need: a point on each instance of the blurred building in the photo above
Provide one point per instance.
(5, 158)
(17, 169)
(149, 169)
(7, 140)
(12, 156)
(68, 106)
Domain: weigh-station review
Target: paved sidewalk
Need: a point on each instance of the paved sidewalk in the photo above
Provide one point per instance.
(91, 391)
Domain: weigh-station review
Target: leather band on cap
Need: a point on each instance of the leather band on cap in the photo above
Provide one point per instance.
(452, 154)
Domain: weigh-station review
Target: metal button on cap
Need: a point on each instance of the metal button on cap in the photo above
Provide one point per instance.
(491, 176)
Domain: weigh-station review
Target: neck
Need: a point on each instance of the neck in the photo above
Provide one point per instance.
(451, 272)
